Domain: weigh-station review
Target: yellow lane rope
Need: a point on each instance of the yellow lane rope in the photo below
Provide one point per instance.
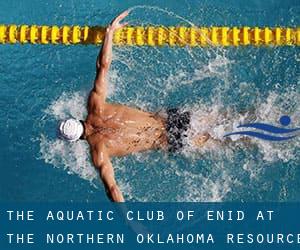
(152, 35)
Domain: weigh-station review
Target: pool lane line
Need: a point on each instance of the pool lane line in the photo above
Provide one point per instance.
(152, 35)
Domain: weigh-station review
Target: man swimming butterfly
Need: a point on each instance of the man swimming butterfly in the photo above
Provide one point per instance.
(117, 130)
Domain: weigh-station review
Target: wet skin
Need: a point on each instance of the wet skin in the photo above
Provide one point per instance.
(118, 130)
(123, 130)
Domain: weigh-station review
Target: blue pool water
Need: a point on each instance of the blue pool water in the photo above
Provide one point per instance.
(42, 84)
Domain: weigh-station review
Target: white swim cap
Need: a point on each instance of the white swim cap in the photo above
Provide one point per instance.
(70, 130)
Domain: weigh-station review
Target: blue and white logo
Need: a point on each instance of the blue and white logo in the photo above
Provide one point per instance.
(272, 133)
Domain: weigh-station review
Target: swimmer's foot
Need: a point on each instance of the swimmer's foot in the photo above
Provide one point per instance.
(200, 140)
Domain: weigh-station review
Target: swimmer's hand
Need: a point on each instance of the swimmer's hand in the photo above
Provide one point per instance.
(105, 57)
(115, 24)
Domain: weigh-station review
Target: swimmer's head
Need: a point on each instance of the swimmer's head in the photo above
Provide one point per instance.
(70, 130)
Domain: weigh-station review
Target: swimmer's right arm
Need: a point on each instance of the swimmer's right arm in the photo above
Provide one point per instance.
(105, 56)
(103, 164)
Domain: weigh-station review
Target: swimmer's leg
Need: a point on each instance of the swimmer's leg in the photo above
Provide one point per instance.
(200, 140)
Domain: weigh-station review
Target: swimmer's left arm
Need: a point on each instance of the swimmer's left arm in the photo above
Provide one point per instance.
(105, 56)
(103, 164)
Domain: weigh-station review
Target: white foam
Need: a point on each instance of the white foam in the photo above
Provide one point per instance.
(188, 183)
(72, 157)
(271, 110)
(68, 105)
(211, 188)
(213, 118)
(216, 120)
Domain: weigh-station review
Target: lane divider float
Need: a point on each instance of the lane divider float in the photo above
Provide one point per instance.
(152, 35)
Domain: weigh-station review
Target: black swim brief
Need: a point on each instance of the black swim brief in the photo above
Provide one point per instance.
(177, 125)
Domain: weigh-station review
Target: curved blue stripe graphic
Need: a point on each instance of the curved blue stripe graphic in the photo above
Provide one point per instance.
(269, 128)
(262, 136)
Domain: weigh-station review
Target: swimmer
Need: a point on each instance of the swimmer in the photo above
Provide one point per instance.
(114, 130)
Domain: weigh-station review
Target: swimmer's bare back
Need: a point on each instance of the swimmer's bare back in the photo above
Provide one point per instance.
(124, 130)
(113, 129)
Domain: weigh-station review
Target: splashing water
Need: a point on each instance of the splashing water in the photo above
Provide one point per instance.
(207, 83)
